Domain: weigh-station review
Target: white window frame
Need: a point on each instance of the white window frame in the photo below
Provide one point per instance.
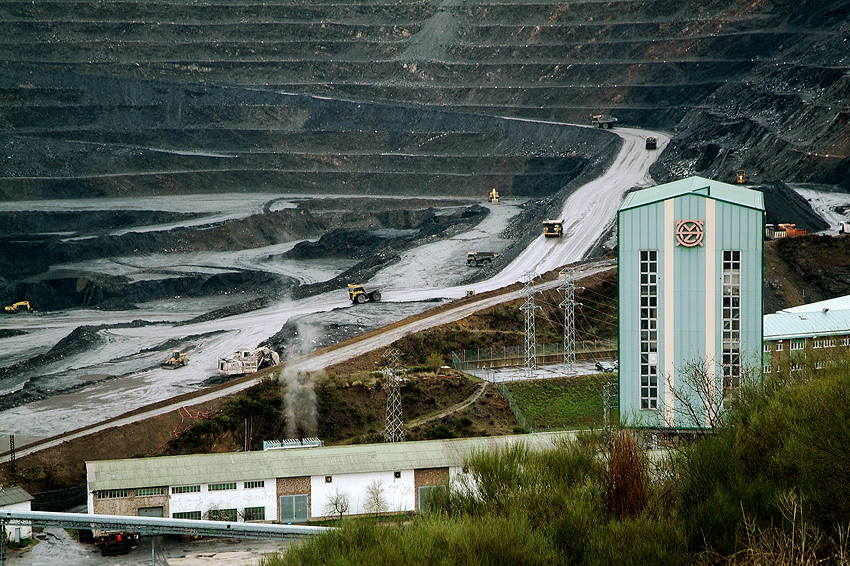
(731, 319)
(648, 338)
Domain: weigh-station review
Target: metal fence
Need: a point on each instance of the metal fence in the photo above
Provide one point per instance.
(479, 358)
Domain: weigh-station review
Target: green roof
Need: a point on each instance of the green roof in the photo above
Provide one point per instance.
(695, 185)
(13, 496)
(296, 462)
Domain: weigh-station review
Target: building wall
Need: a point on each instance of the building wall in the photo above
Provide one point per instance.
(293, 486)
(239, 498)
(428, 477)
(782, 355)
(18, 531)
(689, 300)
(129, 504)
(399, 493)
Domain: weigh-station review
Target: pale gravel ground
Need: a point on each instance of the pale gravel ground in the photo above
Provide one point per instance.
(423, 275)
(55, 547)
(825, 204)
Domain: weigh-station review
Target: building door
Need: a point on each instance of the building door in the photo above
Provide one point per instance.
(150, 511)
(294, 509)
(427, 494)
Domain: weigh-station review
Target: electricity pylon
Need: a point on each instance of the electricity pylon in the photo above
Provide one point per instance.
(530, 341)
(394, 428)
(568, 288)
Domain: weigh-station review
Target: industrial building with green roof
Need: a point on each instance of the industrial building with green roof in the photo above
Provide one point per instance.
(690, 264)
(815, 333)
(288, 484)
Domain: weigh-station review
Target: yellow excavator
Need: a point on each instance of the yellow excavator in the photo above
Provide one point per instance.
(18, 307)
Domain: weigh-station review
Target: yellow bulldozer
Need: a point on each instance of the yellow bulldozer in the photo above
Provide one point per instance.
(18, 307)
(177, 359)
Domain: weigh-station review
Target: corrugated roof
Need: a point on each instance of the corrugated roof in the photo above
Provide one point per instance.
(823, 318)
(697, 185)
(838, 304)
(785, 325)
(13, 496)
(294, 462)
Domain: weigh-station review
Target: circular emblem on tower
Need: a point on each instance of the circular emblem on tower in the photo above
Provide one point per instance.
(689, 233)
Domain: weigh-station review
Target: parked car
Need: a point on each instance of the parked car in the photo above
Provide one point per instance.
(607, 367)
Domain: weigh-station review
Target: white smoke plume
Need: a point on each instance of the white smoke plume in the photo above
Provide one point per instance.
(299, 403)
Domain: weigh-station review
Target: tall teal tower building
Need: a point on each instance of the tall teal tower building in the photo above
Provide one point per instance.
(690, 269)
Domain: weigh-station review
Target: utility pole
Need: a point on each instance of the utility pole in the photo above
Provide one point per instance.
(568, 288)
(530, 341)
(13, 464)
(394, 428)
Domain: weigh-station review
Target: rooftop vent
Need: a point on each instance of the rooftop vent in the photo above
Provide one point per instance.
(291, 443)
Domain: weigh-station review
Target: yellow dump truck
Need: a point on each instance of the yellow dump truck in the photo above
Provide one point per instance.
(602, 121)
(553, 228)
(360, 294)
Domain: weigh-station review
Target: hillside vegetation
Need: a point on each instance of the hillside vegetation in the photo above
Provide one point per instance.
(770, 486)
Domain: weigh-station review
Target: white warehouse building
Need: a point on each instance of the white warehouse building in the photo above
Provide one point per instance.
(289, 485)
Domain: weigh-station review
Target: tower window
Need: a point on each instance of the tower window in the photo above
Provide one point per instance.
(731, 322)
(649, 329)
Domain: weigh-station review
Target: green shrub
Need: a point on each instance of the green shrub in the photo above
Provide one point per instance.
(435, 361)
(640, 541)
(473, 541)
(581, 514)
(715, 491)
(797, 438)
(441, 431)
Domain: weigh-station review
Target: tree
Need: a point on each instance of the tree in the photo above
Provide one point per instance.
(375, 501)
(435, 361)
(698, 397)
(337, 503)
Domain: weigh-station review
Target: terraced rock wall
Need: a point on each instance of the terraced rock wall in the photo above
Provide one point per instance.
(148, 97)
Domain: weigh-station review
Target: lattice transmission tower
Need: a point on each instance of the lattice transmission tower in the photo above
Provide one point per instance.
(568, 288)
(394, 428)
(530, 340)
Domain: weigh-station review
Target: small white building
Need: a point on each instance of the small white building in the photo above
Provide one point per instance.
(16, 499)
(293, 485)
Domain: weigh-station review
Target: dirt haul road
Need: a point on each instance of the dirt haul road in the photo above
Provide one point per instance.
(587, 215)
